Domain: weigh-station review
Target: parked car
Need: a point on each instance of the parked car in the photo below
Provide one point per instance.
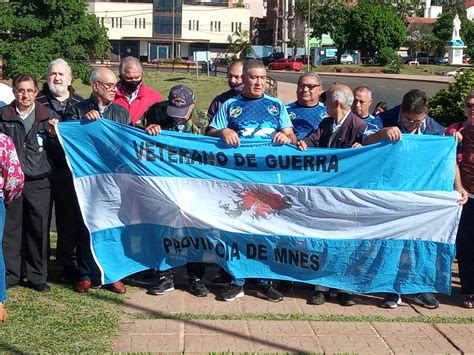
(286, 64)
(329, 61)
(347, 59)
(272, 57)
(303, 59)
(424, 58)
(456, 72)
(438, 60)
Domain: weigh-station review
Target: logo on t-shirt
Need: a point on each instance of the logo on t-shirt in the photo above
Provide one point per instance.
(235, 112)
(292, 115)
(272, 110)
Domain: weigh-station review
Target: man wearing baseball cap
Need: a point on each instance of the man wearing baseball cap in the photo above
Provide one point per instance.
(179, 114)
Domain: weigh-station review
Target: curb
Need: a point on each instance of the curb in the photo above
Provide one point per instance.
(427, 78)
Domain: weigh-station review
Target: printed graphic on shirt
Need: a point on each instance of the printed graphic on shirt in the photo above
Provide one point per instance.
(305, 119)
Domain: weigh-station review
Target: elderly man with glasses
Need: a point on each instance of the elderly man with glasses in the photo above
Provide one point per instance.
(410, 118)
(307, 111)
(99, 106)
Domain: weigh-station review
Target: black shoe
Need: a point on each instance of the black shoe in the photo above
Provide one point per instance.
(270, 293)
(222, 277)
(285, 286)
(198, 289)
(39, 287)
(231, 293)
(149, 274)
(427, 300)
(317, 298)
(345, 299)
(164, 285)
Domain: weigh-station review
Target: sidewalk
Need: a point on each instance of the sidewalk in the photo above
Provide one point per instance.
(180, 322)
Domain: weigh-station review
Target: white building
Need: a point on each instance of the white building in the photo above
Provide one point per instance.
(155, 29)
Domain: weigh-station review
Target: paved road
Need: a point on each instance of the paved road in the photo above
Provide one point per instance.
(389, 90)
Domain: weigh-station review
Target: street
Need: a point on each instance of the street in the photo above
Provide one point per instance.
(390, 91)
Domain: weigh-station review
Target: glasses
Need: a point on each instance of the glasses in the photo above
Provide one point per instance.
(415, 122)
(470, 105)
(310, 87)
(108, 86)
(25, 91)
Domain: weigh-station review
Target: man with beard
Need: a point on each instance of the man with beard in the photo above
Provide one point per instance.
(58, 95)
(132, 93)
(234, 78)
(99, 106)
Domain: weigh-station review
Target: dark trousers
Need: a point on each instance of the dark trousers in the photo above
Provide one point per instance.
(465, 248)
(64, 197)
(195, 271)
(26, 234)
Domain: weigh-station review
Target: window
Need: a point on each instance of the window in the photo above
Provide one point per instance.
(212, 26)
(197, 25)
(219, 26)
(143, 22)
(232, 27)
(189, 25)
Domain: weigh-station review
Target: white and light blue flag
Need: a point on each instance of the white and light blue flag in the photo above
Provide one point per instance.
(381, 218)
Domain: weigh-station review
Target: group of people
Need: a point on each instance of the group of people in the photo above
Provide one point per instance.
(35, 173)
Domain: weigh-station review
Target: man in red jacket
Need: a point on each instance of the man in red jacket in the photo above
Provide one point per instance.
(131, 92)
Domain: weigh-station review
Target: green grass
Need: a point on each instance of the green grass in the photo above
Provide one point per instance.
(61, 320)
(301, 317)
(355, 68)
(205, 89)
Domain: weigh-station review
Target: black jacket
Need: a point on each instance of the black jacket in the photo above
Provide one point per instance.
(32, 148)
(113, 111)
(46, 98)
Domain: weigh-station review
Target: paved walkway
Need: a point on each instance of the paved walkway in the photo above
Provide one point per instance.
(180, 322)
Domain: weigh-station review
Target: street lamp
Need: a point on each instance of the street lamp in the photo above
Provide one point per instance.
(172, 32)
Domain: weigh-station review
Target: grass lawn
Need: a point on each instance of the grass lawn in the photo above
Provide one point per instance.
(205, 89)
(355, 68)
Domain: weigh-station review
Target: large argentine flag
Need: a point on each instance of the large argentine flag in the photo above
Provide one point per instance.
(372, 219)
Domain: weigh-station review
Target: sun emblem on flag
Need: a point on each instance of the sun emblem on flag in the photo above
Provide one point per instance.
(260, 202)
(235, 112)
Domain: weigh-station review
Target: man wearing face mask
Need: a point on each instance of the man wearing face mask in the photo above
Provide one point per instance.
(236, 84)
(179, 114)
(58, 95)
(132, 93)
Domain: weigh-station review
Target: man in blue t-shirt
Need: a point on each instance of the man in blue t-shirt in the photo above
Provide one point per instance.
(252, 115)
(362, 101)
(307, 112)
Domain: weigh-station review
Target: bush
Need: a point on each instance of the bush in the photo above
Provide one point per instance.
(386, 56)
(447, 106)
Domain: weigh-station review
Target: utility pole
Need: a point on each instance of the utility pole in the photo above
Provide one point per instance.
(275, 30)
(308, 36)
(285, 29)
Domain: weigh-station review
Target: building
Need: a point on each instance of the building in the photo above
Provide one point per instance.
(163, 29)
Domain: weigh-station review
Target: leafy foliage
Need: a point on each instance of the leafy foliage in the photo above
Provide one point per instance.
(447, 105)
(405, 8)
(386, 56)
(241, 45)
(375, 26)
(33, 33)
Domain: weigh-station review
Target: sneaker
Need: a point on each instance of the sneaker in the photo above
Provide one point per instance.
(165, 284)
(391, 300)
(198, 289)
(232, 292)
(222, 277)
(345, 299)
(317, 298)
(427, 300)
(270, 293)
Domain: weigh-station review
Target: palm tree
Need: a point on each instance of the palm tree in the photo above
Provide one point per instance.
(241, 44)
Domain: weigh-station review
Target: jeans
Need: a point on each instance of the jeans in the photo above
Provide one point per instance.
(3, 283)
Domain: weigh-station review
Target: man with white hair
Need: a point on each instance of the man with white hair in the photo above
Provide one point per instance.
(58, 95)
(362, 101)
(132, 93)
(341, 129)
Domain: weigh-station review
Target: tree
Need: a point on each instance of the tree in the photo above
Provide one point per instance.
(241, 45)
(32, 33)
(416, 35)
(443, 28)
(447, 106)
(375, 26)
(405, 8)
(331, 17)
